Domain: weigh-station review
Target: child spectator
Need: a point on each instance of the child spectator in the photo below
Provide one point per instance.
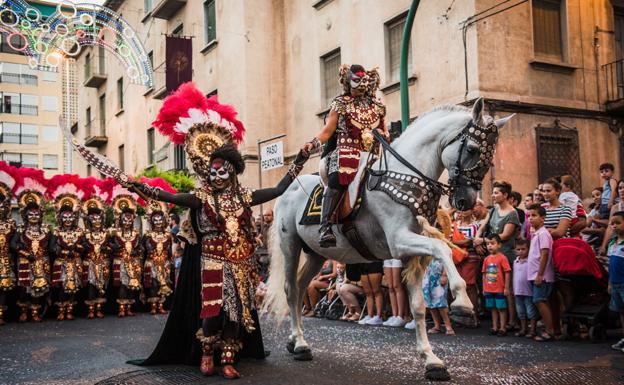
(178, 251)
(595, 230)
(496, 284)
(435, 291)
(464, 231)
(619, 206)
(570, 199)
(527, 313)
(320, 282)
(540, 271)
(616, 270)
(608, 189)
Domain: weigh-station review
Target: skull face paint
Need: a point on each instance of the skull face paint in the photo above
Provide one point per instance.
(158, 221)
(358, 82)
(5, 206)
(96, 220)
(220, 173)
(127, 220)
(34, 216)
(67, 219)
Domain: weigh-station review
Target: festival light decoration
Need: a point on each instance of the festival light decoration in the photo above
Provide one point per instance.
(46, 40)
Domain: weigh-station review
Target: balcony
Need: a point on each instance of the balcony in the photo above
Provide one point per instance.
(95, 136)
(165, 9)
(94, 73)
(19, 109)
(614, 79)
(14, 78)
(160, 81)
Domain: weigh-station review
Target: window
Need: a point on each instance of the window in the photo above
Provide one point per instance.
(179, 157)
(150, 57)
(49, 76)
(23, 104)
(12, 158)
(89, 170)
(49, 103)
(87, 66)
(50, 162)
(330, 64)
(50, 133)
(210, 32)
(18, 133)
(30, 160)
(102, 115)
(394, 39)
(88, 122)
(547, 28)
(178, 31)
(150, 146)
(10, 103)
(120, 94)
(147, 6)
(122, 158)
(29, 104)
(212, 93)
(558, 153)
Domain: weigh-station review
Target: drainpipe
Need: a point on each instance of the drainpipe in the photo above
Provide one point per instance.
(405, 114)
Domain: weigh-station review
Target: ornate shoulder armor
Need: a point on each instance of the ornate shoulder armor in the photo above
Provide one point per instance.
(380, 108)
(340, 104)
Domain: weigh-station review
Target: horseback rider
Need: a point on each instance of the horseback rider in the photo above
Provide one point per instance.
(347, 132)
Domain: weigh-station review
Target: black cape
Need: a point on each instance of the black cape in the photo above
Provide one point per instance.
(178, 343)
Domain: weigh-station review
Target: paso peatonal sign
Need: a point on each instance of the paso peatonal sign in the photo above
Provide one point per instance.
(272, 156)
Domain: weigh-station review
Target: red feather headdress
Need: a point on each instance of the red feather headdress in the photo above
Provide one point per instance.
(31, 187)
(9, 177)
(66, 191)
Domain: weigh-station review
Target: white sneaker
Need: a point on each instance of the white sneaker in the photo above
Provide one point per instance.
(619, 345)
(410, 325)
(389, 321)
(398, 322)
(375, 321)
(364, 320)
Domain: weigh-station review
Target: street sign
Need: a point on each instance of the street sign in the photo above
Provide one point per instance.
(272, 156)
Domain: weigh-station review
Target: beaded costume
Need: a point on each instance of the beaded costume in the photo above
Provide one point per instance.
(7, 229)
(220, 249)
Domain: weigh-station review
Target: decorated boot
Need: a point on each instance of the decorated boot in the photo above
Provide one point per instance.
(207, 367)
(228, 352)
(69, 315)
(98, 310)
(91, 313)
(61, 311)
(34, 313)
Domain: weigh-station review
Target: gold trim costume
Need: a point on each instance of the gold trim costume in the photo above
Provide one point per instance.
(65, 190)
(98, 246)
(31, 243)
(222, 299)
(127, 264)
(7, 229)
(157, 243)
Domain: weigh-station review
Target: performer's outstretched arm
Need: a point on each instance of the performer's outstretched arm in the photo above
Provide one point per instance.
(267, 194)
(180, 199)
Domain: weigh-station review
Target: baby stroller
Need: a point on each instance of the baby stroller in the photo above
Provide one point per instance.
(330, 308)
(583, 283)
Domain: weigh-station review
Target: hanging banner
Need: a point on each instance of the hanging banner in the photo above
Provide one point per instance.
(179, 55)
(272, 156)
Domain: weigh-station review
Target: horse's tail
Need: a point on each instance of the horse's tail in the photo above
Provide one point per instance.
(417, 265)
(275, 299)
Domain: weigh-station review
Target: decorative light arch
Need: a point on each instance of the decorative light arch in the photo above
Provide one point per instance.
(45, 41)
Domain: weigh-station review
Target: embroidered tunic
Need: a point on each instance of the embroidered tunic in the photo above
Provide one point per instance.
(67, 269)
(357, 117)
(158, 261)
(7, 267)
(229, 271)
(96, 263)
(127, 267)
(34, 261)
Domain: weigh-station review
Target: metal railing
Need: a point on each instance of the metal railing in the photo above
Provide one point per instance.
(19, 109)
(15, 138)
(614, 79)
(92, 129)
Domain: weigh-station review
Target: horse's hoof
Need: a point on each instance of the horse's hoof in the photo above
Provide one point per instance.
(461, 311)
(303, 354)
(437, 373)
(290, 346)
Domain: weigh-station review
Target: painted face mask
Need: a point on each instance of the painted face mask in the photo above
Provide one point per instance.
(220, 171)
(34, 216)
(127, 219)
(96, 220)
(158, 221)
(67, 219)
(358, 81)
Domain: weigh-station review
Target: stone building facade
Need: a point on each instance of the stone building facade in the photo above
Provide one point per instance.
(557, 64)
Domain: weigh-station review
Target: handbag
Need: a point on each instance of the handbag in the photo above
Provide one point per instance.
(458, 253)
(487, 231)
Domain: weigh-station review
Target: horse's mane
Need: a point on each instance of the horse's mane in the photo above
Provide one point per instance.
(425, 117)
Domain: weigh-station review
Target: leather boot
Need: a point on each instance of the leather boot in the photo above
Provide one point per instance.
(129, 312)
(34, 313)
(161, 308)
(61, 312)
(122, 310)
(98, 310)
(23, 314)
(207, 367)
(70, 312)
(331, 198)
(91, 313)
(154, 308)
(228, 352)
(2, 316)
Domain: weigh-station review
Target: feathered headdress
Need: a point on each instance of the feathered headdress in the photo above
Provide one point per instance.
(123, 200)
(154, 206)
(8, 175)
(99, 194)
(370, 78)
(201, 124)
(31, 189)
(66, 191)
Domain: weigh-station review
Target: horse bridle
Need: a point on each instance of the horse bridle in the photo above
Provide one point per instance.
(485, 136)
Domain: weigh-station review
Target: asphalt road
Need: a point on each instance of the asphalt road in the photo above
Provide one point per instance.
(88, 352)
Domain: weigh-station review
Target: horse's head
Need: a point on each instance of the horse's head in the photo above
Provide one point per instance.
(469, 154)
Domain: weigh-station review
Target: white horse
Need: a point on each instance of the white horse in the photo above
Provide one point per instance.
(448, 137)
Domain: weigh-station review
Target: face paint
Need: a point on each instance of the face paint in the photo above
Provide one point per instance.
(220, 172)
(127, 220)
(67, 219)
(33, 216)
(96, 220)
(157, 221)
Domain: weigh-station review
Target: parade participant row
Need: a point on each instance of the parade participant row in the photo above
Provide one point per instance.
(51, 263)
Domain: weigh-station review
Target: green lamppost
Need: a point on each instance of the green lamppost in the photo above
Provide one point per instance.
(403, 72)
